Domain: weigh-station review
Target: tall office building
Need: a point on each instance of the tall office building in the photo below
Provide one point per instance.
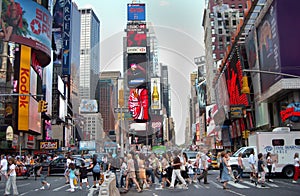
(220, 20)
(89, 53)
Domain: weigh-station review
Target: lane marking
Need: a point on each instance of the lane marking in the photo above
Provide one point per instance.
(238, 185)
(57, 189)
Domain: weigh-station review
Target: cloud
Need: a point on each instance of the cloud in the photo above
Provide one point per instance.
(164, 3)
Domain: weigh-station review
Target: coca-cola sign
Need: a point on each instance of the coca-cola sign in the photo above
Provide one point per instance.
(48, 145)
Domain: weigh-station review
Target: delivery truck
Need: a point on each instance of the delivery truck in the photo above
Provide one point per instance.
(281, 142)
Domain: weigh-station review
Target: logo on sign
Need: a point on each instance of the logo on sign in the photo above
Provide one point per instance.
(156, 124)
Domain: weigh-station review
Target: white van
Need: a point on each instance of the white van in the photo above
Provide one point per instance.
(281, 142)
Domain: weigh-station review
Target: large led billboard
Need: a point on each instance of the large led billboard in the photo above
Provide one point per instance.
(138, 104)
(136, 38)
(136, 12)
(28, 23)
(136, 70)
(268, 48)
(34, 117)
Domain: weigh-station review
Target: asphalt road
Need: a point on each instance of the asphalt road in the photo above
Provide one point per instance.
(280, 186)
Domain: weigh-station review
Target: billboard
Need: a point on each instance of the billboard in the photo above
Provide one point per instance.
(138, 104)
(136, 12)
(136, 70)
(201, 94)
(28, 23)
(155, 94)
(88, 106)
(66, 69)
(34, 117)
(87, 145)
(136, 38)
(49, 144)
(24, 87)
(268, 48)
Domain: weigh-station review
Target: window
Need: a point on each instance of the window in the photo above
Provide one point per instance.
(247, 152)
(211, 15)
(222, 55)
(228, 38)
(214, 56)
(213, 31)
(297, 142)
(226, 14)
(212, 23)
(219, 15)
(213, 39)
(220, 47)
(220, 39)
(241, 14)
(220, 31)
(277, 142)
(219, 23)
(213, 47)
(232, 6)
(240, 6)
(234, 22)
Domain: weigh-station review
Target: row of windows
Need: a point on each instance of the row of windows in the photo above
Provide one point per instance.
(280, 142)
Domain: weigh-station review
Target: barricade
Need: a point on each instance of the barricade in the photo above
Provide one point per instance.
(108, 187)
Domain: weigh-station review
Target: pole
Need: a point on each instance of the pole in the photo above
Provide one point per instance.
(122, 137)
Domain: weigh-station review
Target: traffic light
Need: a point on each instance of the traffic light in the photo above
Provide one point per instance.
(244, 134)
(245, 86)
(42, 106)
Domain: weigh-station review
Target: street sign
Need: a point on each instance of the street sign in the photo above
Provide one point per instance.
(118, 110)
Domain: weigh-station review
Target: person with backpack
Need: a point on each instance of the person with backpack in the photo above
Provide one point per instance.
(96, 170)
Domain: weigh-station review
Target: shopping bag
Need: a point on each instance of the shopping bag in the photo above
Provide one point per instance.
(75, 181)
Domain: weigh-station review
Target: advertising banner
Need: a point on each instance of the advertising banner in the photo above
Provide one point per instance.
(87, 145)
(28, 23)
(155, 94)
(136, 12)
(88, 106)
(48, 144)
(34, 117)
(66, 69)
(138, 104)
(268, 48)
(136, 70)
(136, 38)
(24, 87)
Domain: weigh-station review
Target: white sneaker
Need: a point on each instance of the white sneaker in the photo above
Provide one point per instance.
(80, 188)
(42, 188)
(171, 187)
(48, 185)
(294, 181)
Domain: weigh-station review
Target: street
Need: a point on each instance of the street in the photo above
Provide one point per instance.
(280, 186)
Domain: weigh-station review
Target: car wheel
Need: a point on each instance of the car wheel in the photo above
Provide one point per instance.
(288, 172)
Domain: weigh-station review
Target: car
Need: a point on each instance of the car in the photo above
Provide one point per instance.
(58, 165)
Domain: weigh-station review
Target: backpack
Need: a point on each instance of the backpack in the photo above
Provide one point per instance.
(96, 168)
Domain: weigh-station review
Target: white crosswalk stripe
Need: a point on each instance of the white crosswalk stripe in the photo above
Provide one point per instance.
(253, 185)
(238, 185)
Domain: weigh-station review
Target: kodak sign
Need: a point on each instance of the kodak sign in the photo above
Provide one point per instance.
(24, 85)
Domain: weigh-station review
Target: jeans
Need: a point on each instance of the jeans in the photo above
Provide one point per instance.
(116, 176)
(11, 181)
(122, 180)
(150, 173)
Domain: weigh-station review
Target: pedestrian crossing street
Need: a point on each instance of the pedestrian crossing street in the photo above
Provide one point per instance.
(245, 184)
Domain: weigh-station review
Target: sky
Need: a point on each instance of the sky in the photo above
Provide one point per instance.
(178, 28)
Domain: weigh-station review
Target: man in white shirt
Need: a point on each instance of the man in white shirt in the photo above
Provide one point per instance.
(3, 167)
(252, 162)
(204, 167)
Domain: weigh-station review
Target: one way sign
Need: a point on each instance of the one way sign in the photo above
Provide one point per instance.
(118, 110)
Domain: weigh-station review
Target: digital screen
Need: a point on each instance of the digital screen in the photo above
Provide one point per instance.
(138, 104)
(136, 12)
(136, 70)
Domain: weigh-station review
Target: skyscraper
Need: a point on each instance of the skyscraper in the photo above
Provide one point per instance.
(89, 53)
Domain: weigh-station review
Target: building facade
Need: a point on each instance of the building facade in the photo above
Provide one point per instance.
(89, 54)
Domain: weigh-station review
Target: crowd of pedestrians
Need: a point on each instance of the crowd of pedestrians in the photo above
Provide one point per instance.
(139, 170)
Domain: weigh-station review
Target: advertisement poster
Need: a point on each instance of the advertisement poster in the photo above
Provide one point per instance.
(28, 23)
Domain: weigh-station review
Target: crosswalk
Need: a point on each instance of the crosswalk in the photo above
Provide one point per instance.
(240, 185)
